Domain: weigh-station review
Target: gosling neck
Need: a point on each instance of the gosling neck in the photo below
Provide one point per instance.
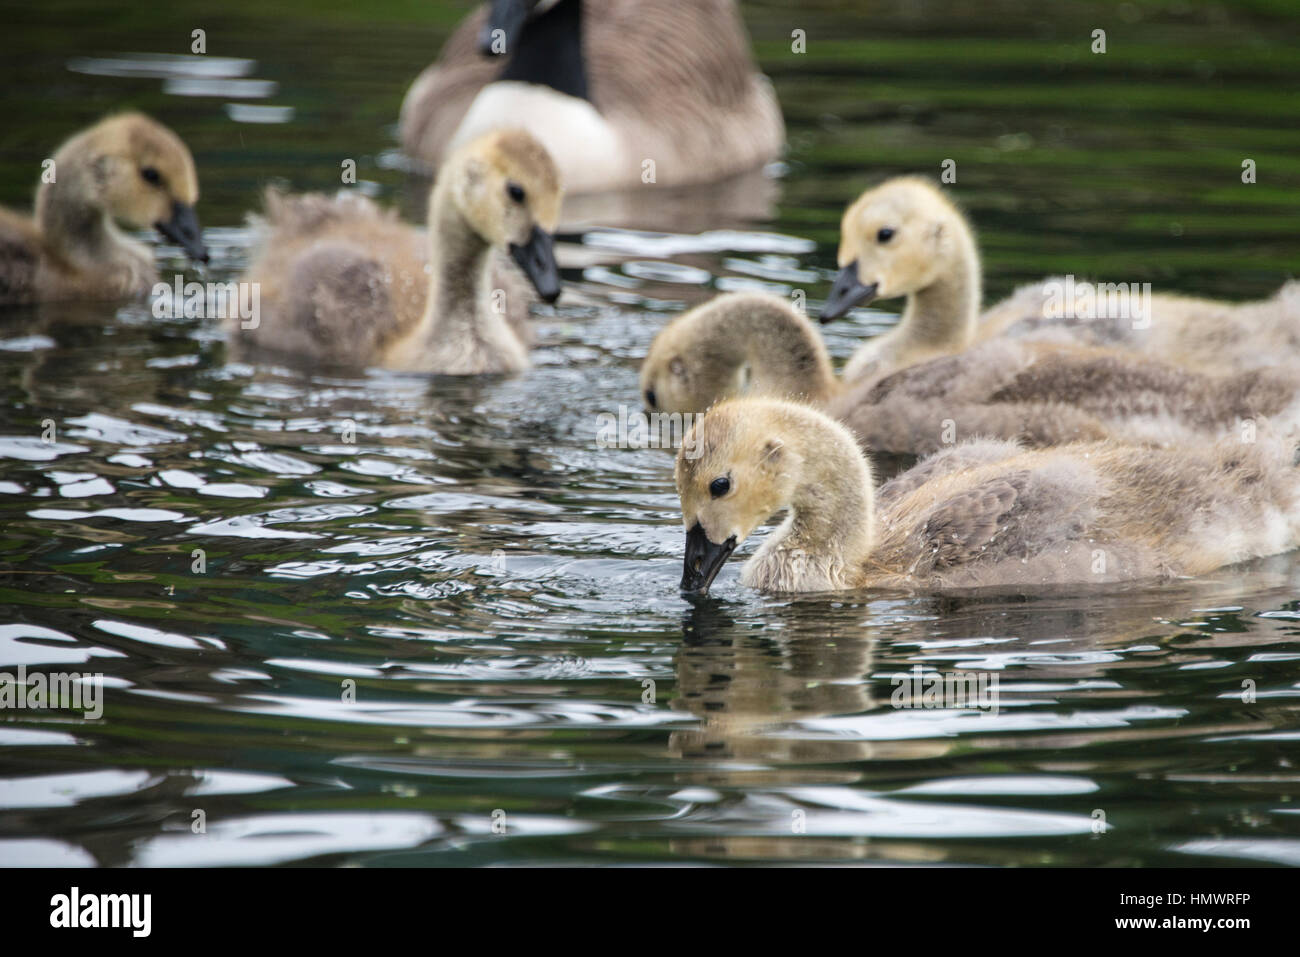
(942, 317)
(74, 227)
(460, 263)
(464, 328)
(831, 529)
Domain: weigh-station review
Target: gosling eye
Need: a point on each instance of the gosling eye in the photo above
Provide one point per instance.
(151, 175)
(516, 192)
(720, 486)
(885, 234)
(650, 398)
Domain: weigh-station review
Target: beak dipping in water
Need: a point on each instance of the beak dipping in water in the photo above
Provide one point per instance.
(847, 292)
(704, 559)
(537, 259)
(183, 229)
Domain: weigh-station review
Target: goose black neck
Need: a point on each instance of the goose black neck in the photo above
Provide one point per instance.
(549, 51)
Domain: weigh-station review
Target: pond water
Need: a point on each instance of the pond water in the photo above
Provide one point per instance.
(393, 620)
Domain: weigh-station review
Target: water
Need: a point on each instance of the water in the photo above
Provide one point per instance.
(430, 622)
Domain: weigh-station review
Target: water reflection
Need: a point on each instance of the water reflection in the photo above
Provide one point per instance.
(752, 689)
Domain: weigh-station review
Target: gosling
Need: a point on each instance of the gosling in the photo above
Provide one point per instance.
(125, 169)
(980, 514)
(905, 238)
(1037, 393)
(343, 283)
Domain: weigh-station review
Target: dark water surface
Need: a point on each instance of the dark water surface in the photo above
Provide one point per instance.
(436, 624)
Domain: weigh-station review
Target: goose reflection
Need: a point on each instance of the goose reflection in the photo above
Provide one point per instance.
(754, 687)
(796, 720)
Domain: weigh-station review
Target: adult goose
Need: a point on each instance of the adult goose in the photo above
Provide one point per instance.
(623, 93)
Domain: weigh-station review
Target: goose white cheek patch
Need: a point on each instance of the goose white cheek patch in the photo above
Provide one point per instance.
(584, 146)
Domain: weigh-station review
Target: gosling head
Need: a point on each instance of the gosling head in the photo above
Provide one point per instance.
(896, 239)
(739, 472)
(735, 344)
(141, 175)
(692, 364)
(507, 188)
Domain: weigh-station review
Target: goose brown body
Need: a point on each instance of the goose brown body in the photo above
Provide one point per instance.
(1043, 394)
(1202, 334)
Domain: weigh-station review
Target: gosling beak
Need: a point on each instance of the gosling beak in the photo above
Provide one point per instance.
(704, 560)
(506, 16)
(846, 293)
(537, 259)
(183, 229)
